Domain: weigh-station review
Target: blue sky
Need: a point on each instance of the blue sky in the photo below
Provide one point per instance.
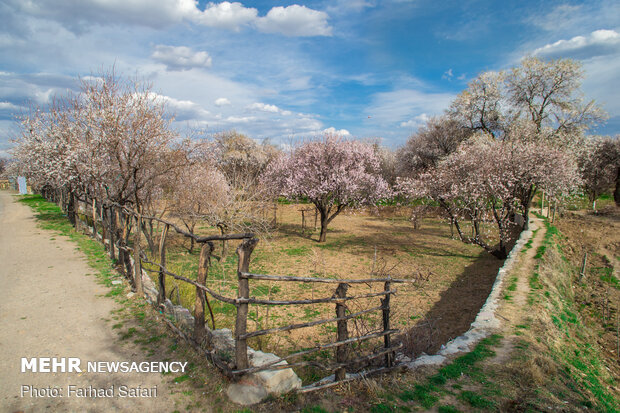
(282, 70)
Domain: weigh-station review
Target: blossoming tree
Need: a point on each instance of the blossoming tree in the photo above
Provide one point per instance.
(485, 180)
(333, 173)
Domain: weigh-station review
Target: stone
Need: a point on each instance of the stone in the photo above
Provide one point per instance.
(116, 282)
(246, 392)
(169, 307)
(222, 342)
(275, 381)
(130, 294)
(427, 361)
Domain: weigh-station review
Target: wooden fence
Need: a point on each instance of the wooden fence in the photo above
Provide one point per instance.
(121, 229)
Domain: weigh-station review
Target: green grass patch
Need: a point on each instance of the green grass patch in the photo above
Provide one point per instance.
(475, 400)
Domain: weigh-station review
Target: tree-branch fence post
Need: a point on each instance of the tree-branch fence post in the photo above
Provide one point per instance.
(94, 218)
(161, 293)
(387, 339)
(112, 223)
(582, 273)
(201, 298)
(137, 267)
(244, 251)
(342, 331)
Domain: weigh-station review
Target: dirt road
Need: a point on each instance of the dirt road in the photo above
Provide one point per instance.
(50, 307)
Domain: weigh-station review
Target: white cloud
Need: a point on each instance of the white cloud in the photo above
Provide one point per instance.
(225, 15)
(416, 122)
(222, 102)
(332, 131)
(77, 14)
(240, 119)
(80, 15)
(180, 57)
(398, 106)
(597, 43)
(183, 109)
(263, 107)
(295, 20)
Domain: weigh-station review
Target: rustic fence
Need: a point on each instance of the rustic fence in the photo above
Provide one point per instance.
(121, 229)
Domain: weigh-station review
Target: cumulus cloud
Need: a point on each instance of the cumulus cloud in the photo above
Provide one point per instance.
(183, 109)
(416, 122)
(225, 15)
(332, 131)
(597, 43)
(240, 119)
(79, 15)
(222, 102)
(264, 107)
(180, 57)
(295, 20)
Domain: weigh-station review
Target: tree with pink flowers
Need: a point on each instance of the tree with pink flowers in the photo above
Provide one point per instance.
(331, 172)
(488, 181)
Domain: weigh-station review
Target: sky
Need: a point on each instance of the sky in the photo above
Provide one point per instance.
(283, 70)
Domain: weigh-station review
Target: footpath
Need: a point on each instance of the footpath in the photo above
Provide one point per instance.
(50, 306)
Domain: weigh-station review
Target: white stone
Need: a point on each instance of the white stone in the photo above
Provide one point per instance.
(222, 341)
(275, 381)
(246, 393)
(427, 361)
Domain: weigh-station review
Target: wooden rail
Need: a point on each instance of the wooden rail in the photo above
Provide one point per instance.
(120, 223)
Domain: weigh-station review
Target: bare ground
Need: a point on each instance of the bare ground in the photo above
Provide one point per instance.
(51, 307)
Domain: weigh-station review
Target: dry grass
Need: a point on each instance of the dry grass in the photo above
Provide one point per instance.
(453, 279)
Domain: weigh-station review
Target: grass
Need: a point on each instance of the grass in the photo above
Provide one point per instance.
(466, 367)
(564, 344)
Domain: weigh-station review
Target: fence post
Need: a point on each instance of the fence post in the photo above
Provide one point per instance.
(343, 333)
(102, 216)
(387, 340)
(137, 266)
(583, 266)
(161, 296)
(94, 219)
(126, 218)
(201, 299)
(244, 251)
(111, 222)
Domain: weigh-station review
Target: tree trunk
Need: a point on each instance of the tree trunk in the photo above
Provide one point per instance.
(71, 208)
(148, 234)
(223, 229)
(617, 190)
(500, 252)
(324, 223)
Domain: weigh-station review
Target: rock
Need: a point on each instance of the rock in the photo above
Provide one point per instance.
(275, 381)
(116, 282)
(130, 294)
(150, 294)
(246, 392)
(222, 342)
(427, 361)
(169, 307)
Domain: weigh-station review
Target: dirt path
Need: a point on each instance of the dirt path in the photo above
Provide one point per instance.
(49, 307)
(511, 312)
